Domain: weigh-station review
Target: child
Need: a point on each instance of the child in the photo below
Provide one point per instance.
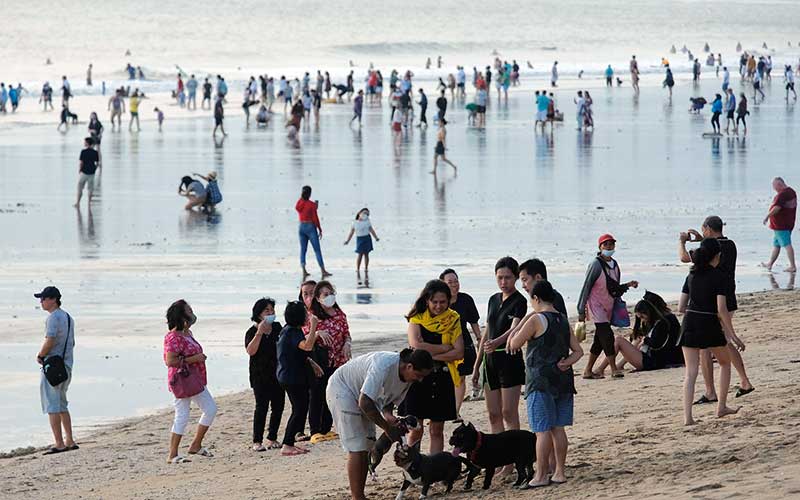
(362, 227)
(159, 116)
(358, 105)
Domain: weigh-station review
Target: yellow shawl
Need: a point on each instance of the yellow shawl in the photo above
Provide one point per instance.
(448, 325)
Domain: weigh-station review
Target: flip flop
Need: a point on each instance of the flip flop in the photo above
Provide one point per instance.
(703, 400)
(202, 452)
(293, 452)
(179, 459)
(743, 392)
(259, 447)
(529, 486)
(73, 447)
(593, 376)
(618, 375)
(300, 437)
(558, 482)
(54, 450)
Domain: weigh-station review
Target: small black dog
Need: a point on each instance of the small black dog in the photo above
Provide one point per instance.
(490, 451)
(384, 443)
(425, 470)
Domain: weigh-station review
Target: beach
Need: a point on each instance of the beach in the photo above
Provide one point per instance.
(628, 441)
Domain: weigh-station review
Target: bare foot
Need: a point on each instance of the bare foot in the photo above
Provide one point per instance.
(727, 411)
(766, 266)
(690, 422)
(790, 270)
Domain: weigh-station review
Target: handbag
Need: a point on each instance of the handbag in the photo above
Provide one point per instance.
(54, 368)
(619, 314)
(186, 382)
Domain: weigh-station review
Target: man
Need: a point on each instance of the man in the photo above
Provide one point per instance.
(66, 91)
(534, 270)
(191, 87)
(362, 394)
(730, 109)
(554, 75)
(89, 164)
(423, 108)
(712, 228)
(461, 80)
(59, 341)
(206, 94)
(726, 78)
(441, 104)
(116, 104)
(634, 67)
(781, 218)
(580, 108)
(219, 116)
(89, 76)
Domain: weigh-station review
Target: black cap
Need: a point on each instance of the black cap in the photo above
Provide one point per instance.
(49, 292)
(714, 223)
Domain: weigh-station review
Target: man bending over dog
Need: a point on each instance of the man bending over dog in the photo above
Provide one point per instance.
(362, 394)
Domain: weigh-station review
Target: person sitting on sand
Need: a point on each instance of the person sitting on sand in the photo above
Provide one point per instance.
(261, 344)
(293, 349)
(362, 394)
(706, 325)
(182, 353)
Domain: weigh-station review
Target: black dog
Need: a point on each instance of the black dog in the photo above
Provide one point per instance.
(384, 442)
(425, 470)
(490, 451)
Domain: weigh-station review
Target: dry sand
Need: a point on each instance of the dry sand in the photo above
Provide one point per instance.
(627, 442)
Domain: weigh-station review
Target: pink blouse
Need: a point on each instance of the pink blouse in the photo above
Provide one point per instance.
(601, 303)
(186, 346)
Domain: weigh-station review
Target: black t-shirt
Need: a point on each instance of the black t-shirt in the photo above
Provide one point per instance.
(465, 307)
(89, 160)
(727, 263)
(501, 313)
(558, 303)
(703, 288)
(662, 339)
(207, 89)
(291, 359)
(441, 103)
(264, 364)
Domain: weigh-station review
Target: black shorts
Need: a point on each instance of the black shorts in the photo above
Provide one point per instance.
(504, 370)
(649, 363)
(481, 110)
(218, 121)
(701, 331)
(470, 355)
(730, 115)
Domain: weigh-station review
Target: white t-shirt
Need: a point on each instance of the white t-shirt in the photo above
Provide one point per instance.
(362, 227)
(376, 375)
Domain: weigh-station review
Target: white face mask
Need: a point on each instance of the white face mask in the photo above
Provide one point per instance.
(363, 216)
(329, 301)
(607, 253)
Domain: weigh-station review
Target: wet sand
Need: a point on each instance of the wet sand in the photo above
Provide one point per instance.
(628, 441)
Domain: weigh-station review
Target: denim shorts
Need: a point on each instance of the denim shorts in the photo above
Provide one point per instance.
(783, 238)
(546, 412)
(54, 399)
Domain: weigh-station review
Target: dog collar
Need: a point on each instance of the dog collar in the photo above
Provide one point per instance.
(473, 455)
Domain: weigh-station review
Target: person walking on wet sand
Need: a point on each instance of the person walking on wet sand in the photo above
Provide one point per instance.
(358, 106)
(781, 218)
(441, 147)
(310, 230)
(363, 230)
(133, 107)
(219, 116)
(87, 166)
(59, 341)
(706, 325)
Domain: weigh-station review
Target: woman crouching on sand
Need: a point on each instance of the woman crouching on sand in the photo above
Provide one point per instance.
(706, 325)
(186, 374)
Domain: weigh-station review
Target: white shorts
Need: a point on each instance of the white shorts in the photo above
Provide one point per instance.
(86, 180)
(356, 431)
(541, 116)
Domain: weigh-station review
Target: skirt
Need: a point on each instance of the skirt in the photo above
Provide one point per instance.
(433, 398)
(701, 331)
(363, 244)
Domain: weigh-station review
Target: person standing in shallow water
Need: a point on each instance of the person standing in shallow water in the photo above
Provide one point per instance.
(441, 147)
(309, 230)
(363, 230)
(781, 219)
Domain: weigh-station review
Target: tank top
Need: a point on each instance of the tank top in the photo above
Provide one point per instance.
(543, 353)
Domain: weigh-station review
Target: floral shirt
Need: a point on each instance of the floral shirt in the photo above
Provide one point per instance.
(339, 330)
(185, 345)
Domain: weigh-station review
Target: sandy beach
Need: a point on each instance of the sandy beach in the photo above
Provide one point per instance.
(627, 442)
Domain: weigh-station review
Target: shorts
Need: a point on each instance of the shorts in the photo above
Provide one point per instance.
(396, 126)
(730, 115)
(790, 86)
(218, 121)
(603, 340)
(783, 238)
(461, 85)
(86, 180)
(724, 86)
(356, 431)
(541, 116)
(481, 110)
(504, 370)
(54, 399)
(134, 114)
(546, 411)
(115, 112)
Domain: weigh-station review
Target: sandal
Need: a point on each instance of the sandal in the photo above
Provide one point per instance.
(274, 445)
(202, 452)
(593, 376)
(743, 392)
(619, 374)
(179, 459)
(54, 450)
(293, 452)
(703, 400)
(258, 447)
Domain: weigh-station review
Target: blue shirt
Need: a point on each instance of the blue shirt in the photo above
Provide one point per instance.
(731, 104)
(542, 102)
(716, 106)
(609, 72)
(59, 327)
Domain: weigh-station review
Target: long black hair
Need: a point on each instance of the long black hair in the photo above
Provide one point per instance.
(316, 308)
(654, 307)
(704, 254)
(306, 192)
(431, 288)
(177, 319)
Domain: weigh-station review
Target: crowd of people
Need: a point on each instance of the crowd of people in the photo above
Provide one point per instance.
(519, 351)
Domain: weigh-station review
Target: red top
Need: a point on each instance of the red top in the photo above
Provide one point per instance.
(784, 219)
(185, 345)
(339, 331)
(307, 210)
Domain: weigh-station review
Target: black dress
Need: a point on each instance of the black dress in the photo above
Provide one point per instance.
(465, 307)
(701, 327)
(434, 396)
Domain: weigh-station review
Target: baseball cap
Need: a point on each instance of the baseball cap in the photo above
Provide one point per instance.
(49, 292)
(606, 237)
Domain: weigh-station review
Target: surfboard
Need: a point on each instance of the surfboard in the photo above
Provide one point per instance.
(711, 135)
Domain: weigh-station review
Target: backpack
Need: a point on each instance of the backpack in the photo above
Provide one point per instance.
(214, 194)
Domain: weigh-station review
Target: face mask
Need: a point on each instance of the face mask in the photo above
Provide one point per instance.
(329, 301)
(363, 216)
(607, 253)
(192, 319)
(269, 318)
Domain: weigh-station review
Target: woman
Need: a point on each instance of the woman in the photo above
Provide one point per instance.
(336, 352)
(96, 132)
(588, 117)
(309, 230)
(194, 190)
(741, 114)
(362, 228)
(183, 353)
(706, 325)
(434, 327)
(550, 384)
(600, 289)
(504, 373)
(464, 305)
(441, 146)
(669, 81)
(261, 344)
(293, 349)
(716, 110)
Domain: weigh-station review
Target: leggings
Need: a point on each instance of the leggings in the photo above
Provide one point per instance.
(266, 394)
(715, 120)
(741, 118)
(320, 419)
(308, 232)
(603, 340)
(298, 396)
